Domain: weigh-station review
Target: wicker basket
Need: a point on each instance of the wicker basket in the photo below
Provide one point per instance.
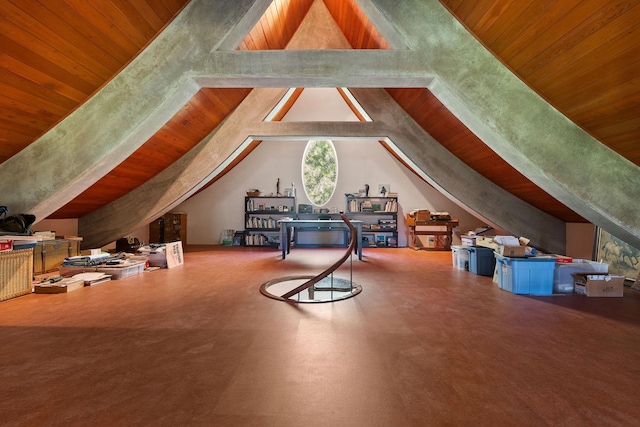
(16, 272)
(253, 193)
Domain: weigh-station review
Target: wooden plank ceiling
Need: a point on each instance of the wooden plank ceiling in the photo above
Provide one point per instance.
(582, 56)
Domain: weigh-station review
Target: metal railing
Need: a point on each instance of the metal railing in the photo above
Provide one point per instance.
(333, 267)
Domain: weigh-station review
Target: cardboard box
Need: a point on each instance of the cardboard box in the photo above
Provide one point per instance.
(512, 251)
(599, 285)
(423, 215)
(486, 242)
(45, 234)
(563, 280)
(419, 215)
(64, 286)
(468, 240)
(437, 241)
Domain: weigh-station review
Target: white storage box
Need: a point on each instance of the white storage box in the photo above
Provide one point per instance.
(563, 280)
(122, 270)
(468, 240)
(158, 259)
(460, 257)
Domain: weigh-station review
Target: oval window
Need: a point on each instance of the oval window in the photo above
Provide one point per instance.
(319, 171)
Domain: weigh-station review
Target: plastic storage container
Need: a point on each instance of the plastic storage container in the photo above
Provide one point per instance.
(563, 275)
(468, 240)
(481, 260)
(526, 276)
(122, 271)
(460, 257)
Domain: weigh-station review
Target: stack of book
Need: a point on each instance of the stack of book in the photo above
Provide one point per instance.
(391, 206)
(366, 206)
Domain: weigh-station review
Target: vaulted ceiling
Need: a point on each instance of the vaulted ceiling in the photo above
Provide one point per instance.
(583, 57)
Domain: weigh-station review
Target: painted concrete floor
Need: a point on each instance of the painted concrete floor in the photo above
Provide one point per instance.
(424, 344)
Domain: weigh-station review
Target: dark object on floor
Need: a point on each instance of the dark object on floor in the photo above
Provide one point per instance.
(127, 244)
(15, 224)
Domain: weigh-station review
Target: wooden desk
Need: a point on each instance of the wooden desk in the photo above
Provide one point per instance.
(286, 225)
(441, 230)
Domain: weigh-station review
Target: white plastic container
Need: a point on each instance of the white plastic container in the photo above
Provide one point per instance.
(123, 270)
(460, 257)
(563, 273)
(468, 240)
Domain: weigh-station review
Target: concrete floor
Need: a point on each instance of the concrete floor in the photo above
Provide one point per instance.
(423, 345)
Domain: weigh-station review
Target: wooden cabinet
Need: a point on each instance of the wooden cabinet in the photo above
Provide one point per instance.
(169, 228)
(48, 255)
(261, 215)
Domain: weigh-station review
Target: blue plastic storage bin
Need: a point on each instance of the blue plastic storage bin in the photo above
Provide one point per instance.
(526, 276)
(481, 260)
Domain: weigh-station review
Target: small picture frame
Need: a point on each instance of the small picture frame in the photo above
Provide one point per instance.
(288, 192)
(383, 189)
(261, 206)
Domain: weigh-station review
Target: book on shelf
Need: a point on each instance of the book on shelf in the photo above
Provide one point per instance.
(391, 206)
(257, 222)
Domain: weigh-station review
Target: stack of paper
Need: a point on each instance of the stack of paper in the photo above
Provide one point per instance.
(92, 278)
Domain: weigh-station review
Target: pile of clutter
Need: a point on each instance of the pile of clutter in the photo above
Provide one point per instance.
(518, 267)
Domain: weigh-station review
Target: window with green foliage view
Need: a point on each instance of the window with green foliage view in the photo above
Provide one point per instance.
(319, 171)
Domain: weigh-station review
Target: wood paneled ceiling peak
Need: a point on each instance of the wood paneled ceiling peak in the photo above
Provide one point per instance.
(355, 25)
(278, 24)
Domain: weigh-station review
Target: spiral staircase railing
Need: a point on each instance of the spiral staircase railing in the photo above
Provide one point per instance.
(312, 281)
